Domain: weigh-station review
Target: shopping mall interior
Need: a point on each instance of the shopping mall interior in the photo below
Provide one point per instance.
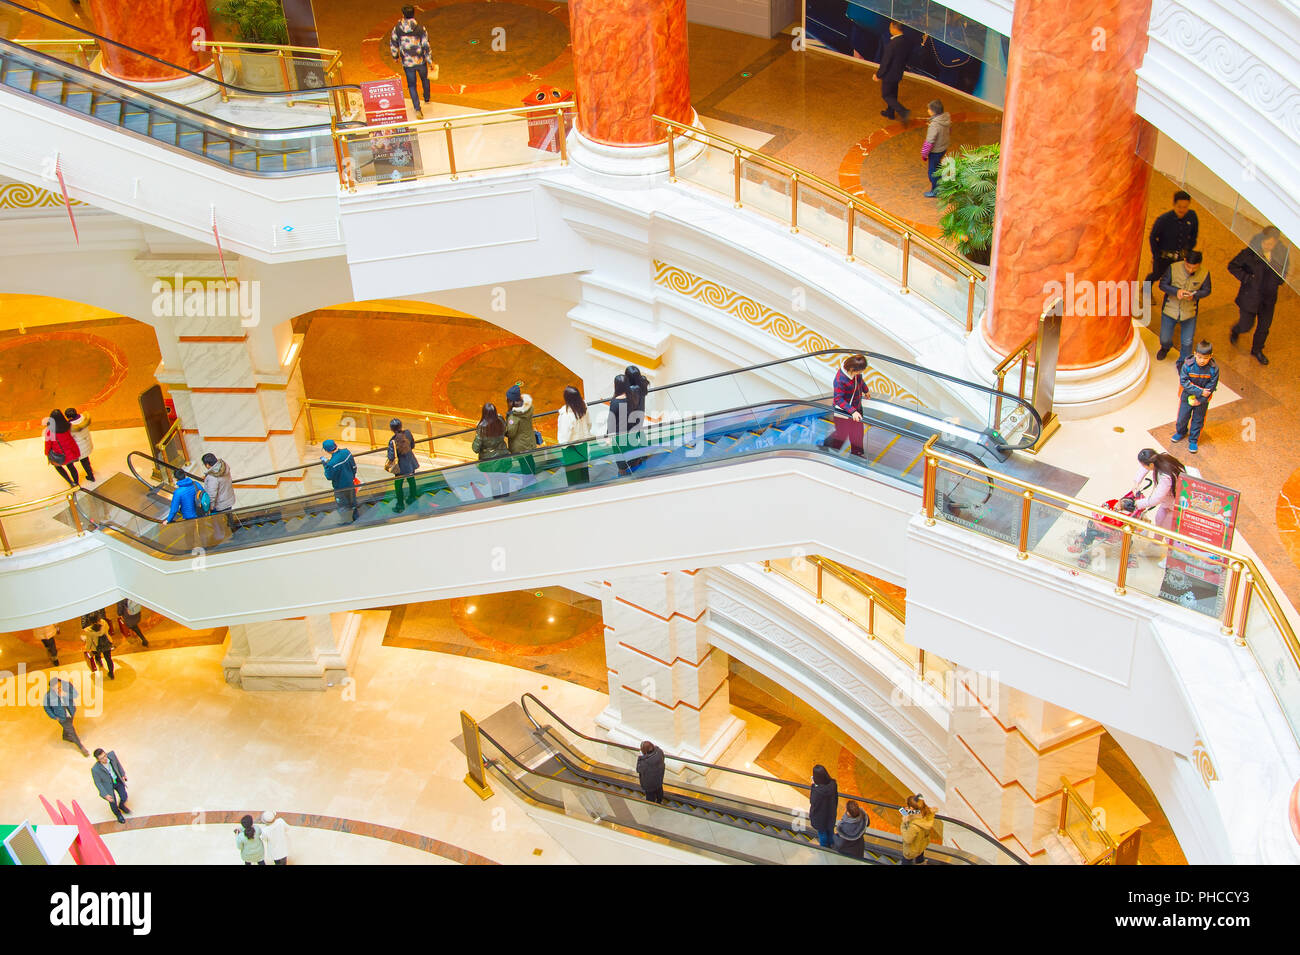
(881, 391)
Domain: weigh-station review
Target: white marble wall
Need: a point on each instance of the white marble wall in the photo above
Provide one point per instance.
(666, 683)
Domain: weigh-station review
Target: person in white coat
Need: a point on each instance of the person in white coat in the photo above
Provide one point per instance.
(80, 426)
(573, 429)
(275, 832)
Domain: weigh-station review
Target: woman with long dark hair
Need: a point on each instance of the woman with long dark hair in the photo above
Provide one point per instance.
(573, 428)
(61, 448)
(248, 840)
(1155, 485)
(491, 448)
(618, 426)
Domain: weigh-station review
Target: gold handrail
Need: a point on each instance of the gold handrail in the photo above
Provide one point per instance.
(25, 507)
(287, 48)
(806, 178)
(1023, 349)
(368, 409)
(455, 122)
(1238, 565)
(1071, 796)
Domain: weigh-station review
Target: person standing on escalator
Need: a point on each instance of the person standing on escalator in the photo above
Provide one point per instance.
(823, 802)
(850, 392)
(402, 463)
(650, 770)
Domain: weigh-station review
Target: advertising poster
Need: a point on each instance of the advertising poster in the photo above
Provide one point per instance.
(1206, 511)
(395, 153)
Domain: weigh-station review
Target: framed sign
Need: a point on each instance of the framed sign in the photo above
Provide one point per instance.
(395, 153)
(1206, 511)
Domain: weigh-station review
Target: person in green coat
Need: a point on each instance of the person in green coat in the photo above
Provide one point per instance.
(492, 449)
(521, 435)
(248, 840)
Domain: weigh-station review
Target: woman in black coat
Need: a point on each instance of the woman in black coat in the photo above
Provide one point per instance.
(823, 805)
(1259, 268)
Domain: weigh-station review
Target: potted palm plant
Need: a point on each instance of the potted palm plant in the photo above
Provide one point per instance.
(967, 191)
(261, 22)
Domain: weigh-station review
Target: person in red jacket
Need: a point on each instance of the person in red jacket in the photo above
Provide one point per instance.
(850, 391)
(61, 447)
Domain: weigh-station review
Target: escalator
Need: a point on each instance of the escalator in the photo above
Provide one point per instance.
(300, 143)
(684, 438)
(723, 812)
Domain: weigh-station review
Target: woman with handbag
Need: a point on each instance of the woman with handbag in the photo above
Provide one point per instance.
(61, 448)
(99, 640)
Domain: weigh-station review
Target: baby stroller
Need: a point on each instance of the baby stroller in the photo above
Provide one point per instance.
(1102, 535)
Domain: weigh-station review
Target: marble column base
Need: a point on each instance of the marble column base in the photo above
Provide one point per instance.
(291, 654)
(184, 90)
(629, 166)
(1080, 392)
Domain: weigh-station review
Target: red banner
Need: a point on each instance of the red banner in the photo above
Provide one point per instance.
(395, 153)
(1206, 511)
(58, 171)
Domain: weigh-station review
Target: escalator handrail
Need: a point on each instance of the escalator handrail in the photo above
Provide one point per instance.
(606, 793)
(550, 450)
(163, 106)
(992, 392)
(741, 772)
(132, 51)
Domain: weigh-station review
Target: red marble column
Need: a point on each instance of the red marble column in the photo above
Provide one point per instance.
(1071, 187)
(629, 57)
(161, 28)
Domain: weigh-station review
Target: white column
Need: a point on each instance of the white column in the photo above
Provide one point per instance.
(301, 653)
(667, 684)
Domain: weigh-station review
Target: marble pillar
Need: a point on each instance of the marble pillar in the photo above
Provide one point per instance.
(237, 387)
(302, 653)
(667, 684)
(1008, 752)
(161, 28)
(630, 62)
(1071, 187)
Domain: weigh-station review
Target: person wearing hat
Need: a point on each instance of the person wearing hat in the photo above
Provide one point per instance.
(341, 472)
(402, 462)
(521, 436)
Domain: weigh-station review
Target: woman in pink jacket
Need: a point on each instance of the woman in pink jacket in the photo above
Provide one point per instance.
(1154, 487)
(61, 447)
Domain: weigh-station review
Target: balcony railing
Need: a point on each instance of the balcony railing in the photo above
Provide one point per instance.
(43, 521)
(850, 224)
(865, 606)
(1132, 554)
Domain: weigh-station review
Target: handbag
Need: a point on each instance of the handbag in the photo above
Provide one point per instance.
(56, 457)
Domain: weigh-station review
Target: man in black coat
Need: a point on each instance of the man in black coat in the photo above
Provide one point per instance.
(650, 770)
(1259, 268)
(1173, 235)
(892, 64)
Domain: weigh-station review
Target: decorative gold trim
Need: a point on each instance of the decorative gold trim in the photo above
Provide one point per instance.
(776, 324)
(23, 195)
(1204, 765)
(622, 354)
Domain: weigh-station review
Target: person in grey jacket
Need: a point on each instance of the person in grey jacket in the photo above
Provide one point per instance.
(852, 826)
(110, 781)
(937, 139)
(650, 770)
(218, 484)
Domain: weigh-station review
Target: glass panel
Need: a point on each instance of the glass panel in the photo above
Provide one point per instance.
(889, 631)
(711, 166)
(845, 598)
(823, 216)
(938, 282)
(878, 245)
(40, 525)
(939, 673)
(1189, 577)
(1276, 659)
(1084, 831)
(798, 569)
(765, 189)
(971, 500)
(520, 141)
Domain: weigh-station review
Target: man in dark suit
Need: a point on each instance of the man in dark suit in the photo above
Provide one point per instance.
(110, 780)
(892, 64)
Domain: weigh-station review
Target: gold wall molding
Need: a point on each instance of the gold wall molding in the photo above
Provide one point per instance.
(1201, 759)
(777, 324)
(22, 195)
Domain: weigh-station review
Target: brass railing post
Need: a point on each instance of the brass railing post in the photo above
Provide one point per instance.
(767, 566)
(928, 493)
(370, 427)
(907, 254)
(76, 516)
(794, 202)
(1247, 592)
(970, 304)
(4, 540)
(561, 133)
(852, 220)
(1125, 547)
(920, 664)
(1023, 545)
(451, 151)
(735, 164)
(672, 153)
(871, 615)
(311, 427)
(338, 151)
(1230, 598)
(997, 402)
(819, 582)
(284, 74)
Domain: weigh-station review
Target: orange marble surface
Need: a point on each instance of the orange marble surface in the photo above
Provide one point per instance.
(631, 62)
(1071, 188)
(162, 28)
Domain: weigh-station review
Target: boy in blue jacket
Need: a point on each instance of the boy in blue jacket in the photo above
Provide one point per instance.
(1198, 376)
(341, 471)
(185, 498)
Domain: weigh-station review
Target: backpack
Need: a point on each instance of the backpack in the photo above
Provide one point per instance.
(402, 443)
(202, 502)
